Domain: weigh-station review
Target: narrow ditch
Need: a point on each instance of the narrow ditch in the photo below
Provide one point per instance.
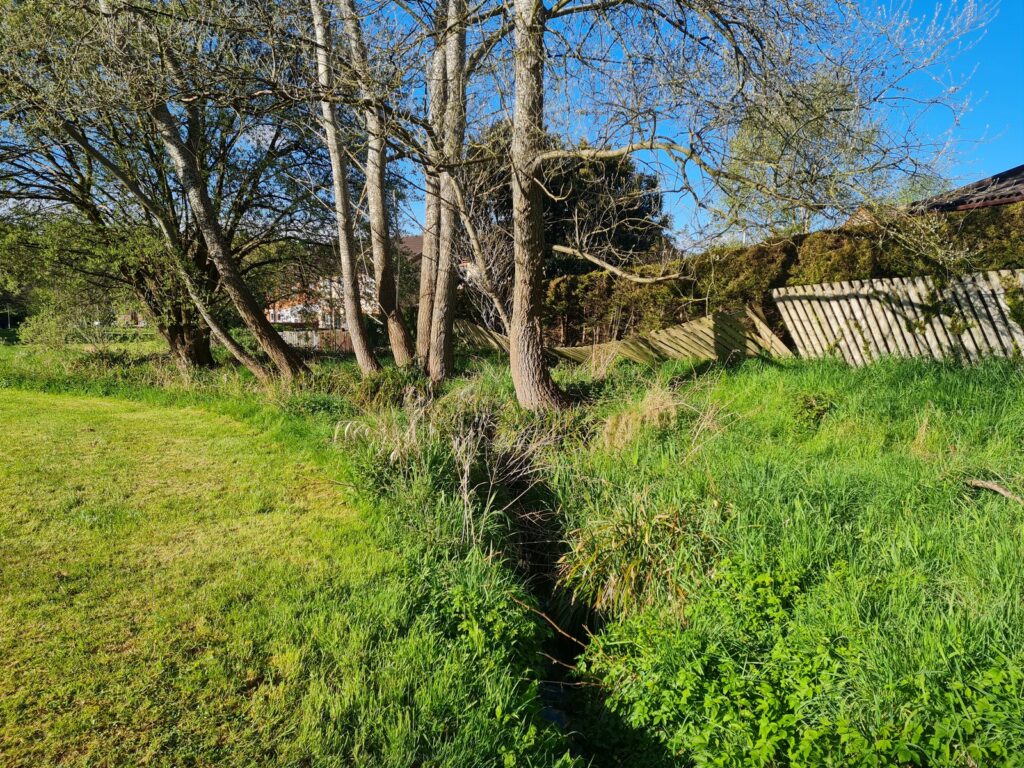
(574, 704)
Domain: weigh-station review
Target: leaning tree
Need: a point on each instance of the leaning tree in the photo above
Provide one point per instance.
(178, 72)
(134, 226)
(71, 219)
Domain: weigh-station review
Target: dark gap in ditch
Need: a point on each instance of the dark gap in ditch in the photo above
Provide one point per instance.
(571, 701)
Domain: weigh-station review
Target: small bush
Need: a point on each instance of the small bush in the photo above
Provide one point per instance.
(45, 330)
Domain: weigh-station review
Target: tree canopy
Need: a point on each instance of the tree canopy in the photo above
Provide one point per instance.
(541, 136)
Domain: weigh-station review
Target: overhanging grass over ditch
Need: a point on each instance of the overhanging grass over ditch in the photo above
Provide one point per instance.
(781, 564)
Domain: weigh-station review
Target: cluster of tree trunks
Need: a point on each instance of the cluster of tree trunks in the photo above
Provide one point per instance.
(165, 108)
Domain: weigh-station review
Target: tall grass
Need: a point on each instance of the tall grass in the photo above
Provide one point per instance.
(780, 564)
(796, 569)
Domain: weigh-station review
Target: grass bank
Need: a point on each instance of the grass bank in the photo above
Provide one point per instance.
(777, 564)
(182, 588)
(797, 568)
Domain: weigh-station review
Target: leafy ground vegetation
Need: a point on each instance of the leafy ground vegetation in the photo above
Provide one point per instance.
(775, 564)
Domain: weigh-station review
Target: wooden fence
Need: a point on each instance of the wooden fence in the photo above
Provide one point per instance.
(722, 337)
(322, 340)
(967, 318)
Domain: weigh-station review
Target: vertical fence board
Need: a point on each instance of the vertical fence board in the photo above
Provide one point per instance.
(927, 311)
(889, 301)
(820, 334)
(949, 341)
(879, 340)
(972, 337)
(977, 314)
(968, 350)
(864, 320)
(880, 309)
(999, 332)
(795, 318)
(921, 328)
(995, 281)
(821, 317)
(786, 309)
(849, 329)
(871, 346)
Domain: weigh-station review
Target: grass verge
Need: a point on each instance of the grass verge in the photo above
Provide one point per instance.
(180, 588)
(777, 564)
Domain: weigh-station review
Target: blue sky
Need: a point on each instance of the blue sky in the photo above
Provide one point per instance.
(991, 137)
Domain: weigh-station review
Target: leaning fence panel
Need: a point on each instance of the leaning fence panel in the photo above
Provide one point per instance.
(965, 318)
(724, 336)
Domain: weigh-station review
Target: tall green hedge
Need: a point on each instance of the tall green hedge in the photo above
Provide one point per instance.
(598, 306)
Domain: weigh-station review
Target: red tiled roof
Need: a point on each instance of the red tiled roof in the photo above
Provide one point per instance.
(413, 247)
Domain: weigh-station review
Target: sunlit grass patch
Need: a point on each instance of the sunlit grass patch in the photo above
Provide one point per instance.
(181, 589)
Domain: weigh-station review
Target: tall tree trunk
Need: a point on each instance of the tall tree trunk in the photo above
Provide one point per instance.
(187, 339)
(534, 387)
(386, 292)
(222, 334)
(284, 358)
(190, 345)
(437, 94)
(441, 342)
(428, 267)
(380, 241)
(440, 361)
(342, 207)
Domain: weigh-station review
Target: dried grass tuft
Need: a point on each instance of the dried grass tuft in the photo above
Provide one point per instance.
(658, 410)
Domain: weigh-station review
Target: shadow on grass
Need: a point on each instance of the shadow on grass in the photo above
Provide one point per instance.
(576, 703)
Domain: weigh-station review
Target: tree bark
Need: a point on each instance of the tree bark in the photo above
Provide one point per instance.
(386, 292)
(384, 276)
(187, 338)
(534, 386)
(190, 345)
(440, 361)
(342, 207)
(284, 358)
(437, 94)
(222, 333)
(428, 267)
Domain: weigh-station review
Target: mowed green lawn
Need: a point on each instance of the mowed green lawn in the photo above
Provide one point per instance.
(175, 590)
